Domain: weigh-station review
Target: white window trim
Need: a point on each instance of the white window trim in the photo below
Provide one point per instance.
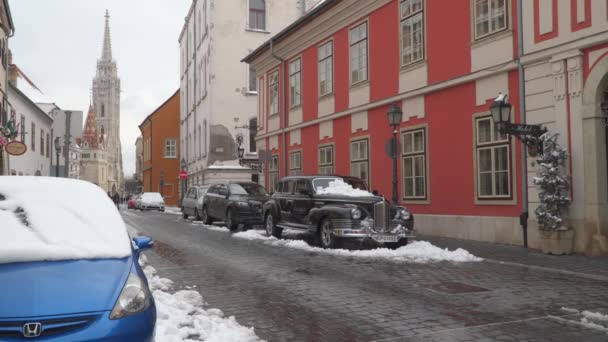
(413, 155)
(350, 45)
(278, 91)
(298, 85)
(490, 33)
(331, 41)
(511, 198)
(402, 20)
(266, 17)
(360, 161)
(293, 154)
(333, 159)
(273, 171)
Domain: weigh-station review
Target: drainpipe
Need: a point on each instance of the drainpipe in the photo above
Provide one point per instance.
(523, 218)
(285, 107)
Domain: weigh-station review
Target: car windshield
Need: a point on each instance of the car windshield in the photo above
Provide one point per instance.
(318, 183)
(247, 189)
(356, 183)
(202, 190)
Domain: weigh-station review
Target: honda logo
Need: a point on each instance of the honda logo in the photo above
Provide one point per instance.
(32, 329)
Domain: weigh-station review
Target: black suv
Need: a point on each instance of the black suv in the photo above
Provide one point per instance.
(234, 203)
(301, 203)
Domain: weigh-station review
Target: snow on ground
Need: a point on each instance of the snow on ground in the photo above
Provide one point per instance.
(588, 319)
(340, 187)
(181, 316)
(214, 228)
(418, 251)
(173, 210)
(44, 218)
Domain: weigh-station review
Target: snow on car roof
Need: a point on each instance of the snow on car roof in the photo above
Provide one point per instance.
(43, 219)
(339, 187)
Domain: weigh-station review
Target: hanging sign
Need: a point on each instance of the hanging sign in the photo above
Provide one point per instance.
(15, 148)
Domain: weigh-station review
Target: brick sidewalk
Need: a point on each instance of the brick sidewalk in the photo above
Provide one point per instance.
(596, 267)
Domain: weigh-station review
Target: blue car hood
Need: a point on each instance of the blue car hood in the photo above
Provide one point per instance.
(36, 289)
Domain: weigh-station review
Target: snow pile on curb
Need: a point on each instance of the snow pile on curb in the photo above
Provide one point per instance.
(214, 228)
(418, 251)
(181, 317)
(340, 187)
(588, 319)
(173, 210)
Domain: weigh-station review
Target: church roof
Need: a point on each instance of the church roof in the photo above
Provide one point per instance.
(89, 136)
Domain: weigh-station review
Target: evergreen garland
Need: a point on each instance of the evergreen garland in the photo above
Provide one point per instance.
(554, 197)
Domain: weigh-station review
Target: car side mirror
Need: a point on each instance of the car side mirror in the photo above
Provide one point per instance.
(143, 242)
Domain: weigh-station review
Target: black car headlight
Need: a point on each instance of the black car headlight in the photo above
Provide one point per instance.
(242, 204)
(356, 213)
(134, 298)
(404, 214)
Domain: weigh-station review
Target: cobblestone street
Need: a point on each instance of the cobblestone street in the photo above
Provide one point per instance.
(294, 295)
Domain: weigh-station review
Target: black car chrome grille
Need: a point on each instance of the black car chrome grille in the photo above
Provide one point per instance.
(381, 216)
(14, 328)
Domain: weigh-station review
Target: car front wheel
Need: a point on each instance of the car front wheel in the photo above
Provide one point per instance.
(231, 220)
(197, 216)
(271, 228)
(184, 213)
(206, 218)
(326, 234)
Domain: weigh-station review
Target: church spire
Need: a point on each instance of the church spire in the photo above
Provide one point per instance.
(107, 43)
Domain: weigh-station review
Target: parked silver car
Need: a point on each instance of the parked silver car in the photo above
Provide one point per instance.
(192, 204)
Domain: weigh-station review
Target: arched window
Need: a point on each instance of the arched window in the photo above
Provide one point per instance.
(257, 15)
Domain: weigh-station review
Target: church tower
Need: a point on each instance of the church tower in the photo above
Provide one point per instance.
(106, 106)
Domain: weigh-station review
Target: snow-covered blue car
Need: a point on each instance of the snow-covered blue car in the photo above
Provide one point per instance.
(68, 269)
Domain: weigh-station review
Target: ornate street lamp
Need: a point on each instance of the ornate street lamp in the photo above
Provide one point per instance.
(395, 115)
(528, 134)
(57, 151)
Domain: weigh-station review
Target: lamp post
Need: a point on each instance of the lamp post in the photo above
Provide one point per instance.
(395, 116)
(528, 134)
(57, 151)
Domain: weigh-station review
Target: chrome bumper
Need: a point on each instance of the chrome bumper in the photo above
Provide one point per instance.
(360, 229)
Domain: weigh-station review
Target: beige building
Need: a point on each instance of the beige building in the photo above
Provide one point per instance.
(6, 31)
(218, 92)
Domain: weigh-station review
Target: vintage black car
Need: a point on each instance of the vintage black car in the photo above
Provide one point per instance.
(299, 203)
(234, 203)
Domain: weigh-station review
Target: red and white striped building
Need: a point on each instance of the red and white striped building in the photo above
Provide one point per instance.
(326, 82)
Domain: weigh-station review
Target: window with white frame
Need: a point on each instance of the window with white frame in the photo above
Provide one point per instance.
(493, 153)
(295, 83)
(253, 80)
(273, 173)
(326, 68)
(257, 15)
(359, 159)
(295, 163)
(414, 164)
(326, 160)
(273, 93)
(412, 31)
(358, 54)
(490, 17)
(253, 132)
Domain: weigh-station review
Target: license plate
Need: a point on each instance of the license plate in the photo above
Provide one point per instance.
(386, 238)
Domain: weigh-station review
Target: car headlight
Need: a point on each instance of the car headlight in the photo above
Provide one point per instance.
(405, 215)
(134, 298)
(242, 204)
(355, 214)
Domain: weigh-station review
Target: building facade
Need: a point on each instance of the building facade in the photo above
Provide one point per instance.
(325, 85)
(218, 93)
(160, 146)
(106, 107)
(7, 29)
(34, 131)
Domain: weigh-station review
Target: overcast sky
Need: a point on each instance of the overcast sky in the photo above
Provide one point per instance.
(57, 44)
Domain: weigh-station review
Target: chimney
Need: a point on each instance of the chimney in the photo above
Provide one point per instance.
(12, 70)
